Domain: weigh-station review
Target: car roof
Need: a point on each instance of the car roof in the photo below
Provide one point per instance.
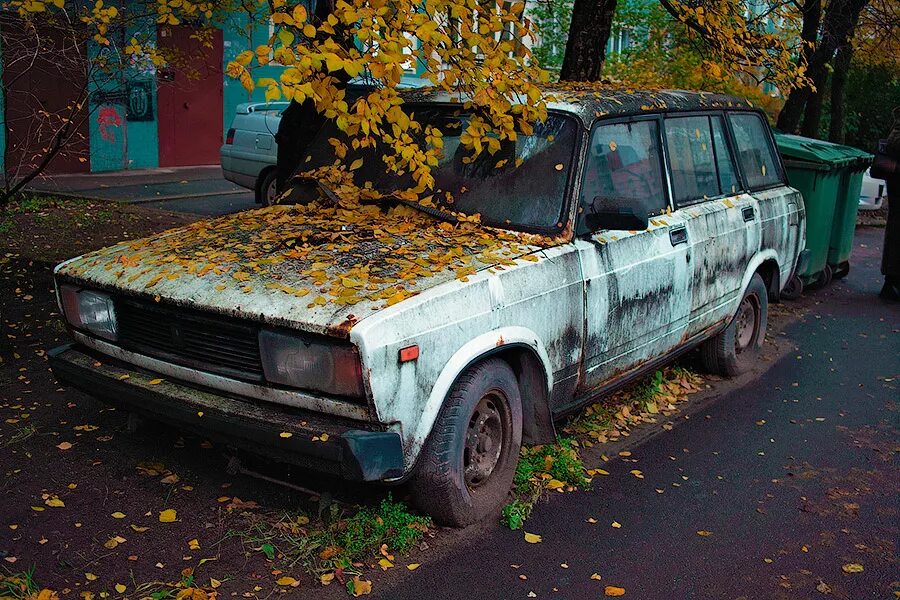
(589, 101)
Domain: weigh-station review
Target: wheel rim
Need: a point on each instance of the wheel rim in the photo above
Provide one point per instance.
(271, 193)
(745, 324)
(484, 440)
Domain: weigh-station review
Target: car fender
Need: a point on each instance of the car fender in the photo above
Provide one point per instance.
(753, 265)
(475, 349)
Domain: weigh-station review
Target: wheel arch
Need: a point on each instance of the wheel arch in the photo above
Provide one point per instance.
(526, 355)
(765, 263)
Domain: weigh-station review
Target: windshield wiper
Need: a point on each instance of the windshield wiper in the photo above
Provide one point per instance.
(428, 210)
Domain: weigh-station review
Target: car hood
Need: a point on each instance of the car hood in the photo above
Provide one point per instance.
(314, 268)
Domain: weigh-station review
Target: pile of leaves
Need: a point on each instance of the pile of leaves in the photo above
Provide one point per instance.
(337, 546)
(612, 418)
(346, 253)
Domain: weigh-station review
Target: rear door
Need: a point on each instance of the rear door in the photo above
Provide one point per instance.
(637, 283)
(721, 218)
(778, 205)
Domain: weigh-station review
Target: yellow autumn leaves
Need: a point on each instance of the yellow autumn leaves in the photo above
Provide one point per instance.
(324, 254)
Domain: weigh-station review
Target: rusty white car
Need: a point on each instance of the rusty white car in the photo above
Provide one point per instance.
(626, 229)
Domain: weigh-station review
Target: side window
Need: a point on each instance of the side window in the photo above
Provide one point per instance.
(624, 164)
(754, 153)
(728, 181)
(692, 159)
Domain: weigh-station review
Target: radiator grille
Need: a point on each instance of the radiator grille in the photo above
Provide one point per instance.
(205, 342)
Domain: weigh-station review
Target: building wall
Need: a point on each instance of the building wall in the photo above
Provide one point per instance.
(123, 123)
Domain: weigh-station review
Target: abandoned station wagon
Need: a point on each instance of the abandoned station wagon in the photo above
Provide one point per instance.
(666, 225)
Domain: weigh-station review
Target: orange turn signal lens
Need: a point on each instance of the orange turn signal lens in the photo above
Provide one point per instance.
(409, 353)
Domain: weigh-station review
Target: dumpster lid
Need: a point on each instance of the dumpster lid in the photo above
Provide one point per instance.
(818, 151)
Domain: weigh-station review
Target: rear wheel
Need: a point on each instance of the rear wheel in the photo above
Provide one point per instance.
(737, 347)
(266, 191)
(468, 462)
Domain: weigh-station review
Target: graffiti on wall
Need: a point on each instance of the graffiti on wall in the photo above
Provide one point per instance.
(109, 120)
(136, 96)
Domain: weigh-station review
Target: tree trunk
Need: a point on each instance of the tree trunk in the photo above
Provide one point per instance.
(812, 116)
(790, 114)
(836, 129)
(588, 35)
(837, 30)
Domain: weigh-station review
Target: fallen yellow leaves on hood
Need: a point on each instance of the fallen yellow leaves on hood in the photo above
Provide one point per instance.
(533, 538)
(852, 568)
(612, 590)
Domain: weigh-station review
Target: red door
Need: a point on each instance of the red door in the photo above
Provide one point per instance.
(39, 95)
(189, 98)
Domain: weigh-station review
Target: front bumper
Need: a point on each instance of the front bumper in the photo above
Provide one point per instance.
(261, 428)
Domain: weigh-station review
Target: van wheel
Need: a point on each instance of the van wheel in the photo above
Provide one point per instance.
(266, 191)
(737, 347)
(468, 462)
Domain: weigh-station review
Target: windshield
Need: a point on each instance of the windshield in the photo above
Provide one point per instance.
(521, 186)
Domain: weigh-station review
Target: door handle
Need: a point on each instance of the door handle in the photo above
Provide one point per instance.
(748, 213)
(678, 235)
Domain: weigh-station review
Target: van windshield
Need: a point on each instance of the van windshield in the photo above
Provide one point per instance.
(521, 186)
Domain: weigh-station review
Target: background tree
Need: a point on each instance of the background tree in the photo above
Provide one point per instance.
(759, 46)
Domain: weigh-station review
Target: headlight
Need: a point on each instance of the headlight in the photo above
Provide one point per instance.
(310, 364)
(89, 311)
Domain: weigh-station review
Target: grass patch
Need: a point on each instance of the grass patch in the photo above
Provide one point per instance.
(19, 585)
(19, 435)
(548, 467)
(336, 542)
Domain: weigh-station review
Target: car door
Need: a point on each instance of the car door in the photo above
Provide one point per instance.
(637, 283)
(721, 218)
(777, 204)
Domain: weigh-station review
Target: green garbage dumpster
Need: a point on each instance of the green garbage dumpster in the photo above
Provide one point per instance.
(830, 177)
(846, 207)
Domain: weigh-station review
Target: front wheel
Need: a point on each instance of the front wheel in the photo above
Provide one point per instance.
(469, 460)
(737, 347)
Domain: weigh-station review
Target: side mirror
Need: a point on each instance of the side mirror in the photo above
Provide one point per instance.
(615, 213)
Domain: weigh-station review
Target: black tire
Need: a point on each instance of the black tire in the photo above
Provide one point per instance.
(841, 270)
(265, 188)
(827, 275)
(737, 347)
(458, 481)
(793, 289)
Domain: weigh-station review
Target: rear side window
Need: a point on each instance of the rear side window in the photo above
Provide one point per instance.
(692, 160)
(624, 164)
(754, 153)
(728, 181)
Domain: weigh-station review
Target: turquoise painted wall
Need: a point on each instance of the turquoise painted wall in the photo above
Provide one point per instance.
(119, 140)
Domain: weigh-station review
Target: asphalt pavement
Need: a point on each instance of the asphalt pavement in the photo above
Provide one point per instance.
(771, 491)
